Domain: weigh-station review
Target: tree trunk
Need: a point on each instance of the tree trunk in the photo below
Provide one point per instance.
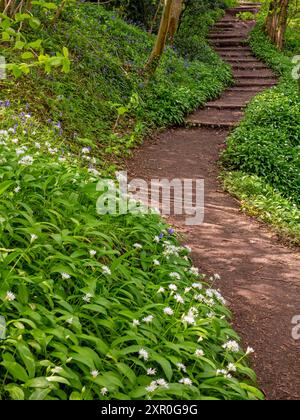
(282, 23)
(160, 43)
(269, 24)
(175, 17)
(276, 22)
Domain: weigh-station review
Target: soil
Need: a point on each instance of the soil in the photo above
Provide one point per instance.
(260, 277)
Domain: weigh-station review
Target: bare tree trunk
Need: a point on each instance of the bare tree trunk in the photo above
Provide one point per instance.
(282, 24)
(276, 22)
(269, 24)
(160, 43)
(176, 11)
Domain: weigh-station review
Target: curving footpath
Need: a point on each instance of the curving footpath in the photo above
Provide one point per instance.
(260, 277)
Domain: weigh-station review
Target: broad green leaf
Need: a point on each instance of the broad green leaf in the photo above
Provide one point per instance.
(127, 371)
(19, 45)
(15, 370)
(75, 396)
(39, 394)
(27, 358)
(40, 382)
(5, 185)
(165, 364)
(27, 55)
(5, 36)
(15, 392)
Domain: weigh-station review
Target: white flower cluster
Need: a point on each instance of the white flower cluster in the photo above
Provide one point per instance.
(106, 270)
(159, 383)
(171, 250)
(231, 346)
(143, 354)
(212, 293)
(26, 160)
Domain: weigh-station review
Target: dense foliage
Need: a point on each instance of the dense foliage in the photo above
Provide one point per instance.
(99, 307)
(267, 142)
(102, 307)
(104, 97)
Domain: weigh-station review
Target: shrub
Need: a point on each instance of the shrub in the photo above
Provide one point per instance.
(267, 141)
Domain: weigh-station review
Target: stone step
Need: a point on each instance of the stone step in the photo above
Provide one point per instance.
(226, 57)
(230, 35)
(226, 118)
(234, 50)
(230, 19)
(254, 74)
(224, 25)
(228, 42)
(247, 89)
(225, 32)
(242, 60)
(237, 10)
(249, 3)
(207, 124)
(248, 66)
(237, 96)
(255, 82)
(240, 55)
(234, 105)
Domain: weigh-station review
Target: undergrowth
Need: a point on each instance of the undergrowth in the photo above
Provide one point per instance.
(105, 98)
(266, 144)
(99, 307)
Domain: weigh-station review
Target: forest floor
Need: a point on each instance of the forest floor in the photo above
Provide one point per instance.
(260, 277)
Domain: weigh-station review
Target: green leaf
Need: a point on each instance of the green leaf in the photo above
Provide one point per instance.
(109, 380)
(39, 394)
(49, 5)
(75, 396)
(5, 36)
(27, 358)
(66, 52)
(36, 45)
(15, 392)
(66, 65)
(127, 371)
(5, 24)
(165, 364)
(34, 23)
(23, 294)
(87, 357)
(15, 370)
(5, 185)
(17, 72)
(253, 391)
(40, 382)
(20, 17)
(55, 61)
(27, 55)
(58, 379)
(19, 45)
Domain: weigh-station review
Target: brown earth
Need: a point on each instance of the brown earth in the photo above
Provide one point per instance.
(260, 277)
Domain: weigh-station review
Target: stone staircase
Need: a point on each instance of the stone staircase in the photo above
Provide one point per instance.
(229, 39)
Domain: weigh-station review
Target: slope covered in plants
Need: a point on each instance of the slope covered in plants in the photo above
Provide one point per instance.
(98, 306)
(105, 98)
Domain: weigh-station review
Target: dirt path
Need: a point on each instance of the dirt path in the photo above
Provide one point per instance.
(260, 277)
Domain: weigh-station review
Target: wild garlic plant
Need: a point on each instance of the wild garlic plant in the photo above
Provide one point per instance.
(100, 307)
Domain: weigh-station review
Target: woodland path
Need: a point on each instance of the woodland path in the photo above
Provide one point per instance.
(260, 277)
